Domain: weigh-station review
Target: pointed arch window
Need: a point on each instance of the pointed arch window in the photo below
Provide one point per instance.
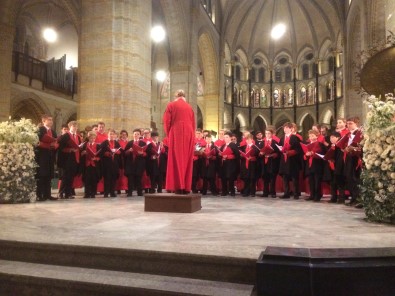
(237, 72)
(288, 73)
(305, 71)
(261, 74)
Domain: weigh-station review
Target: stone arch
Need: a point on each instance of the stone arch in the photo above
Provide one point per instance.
(28, 105)
(28, 108)
(209, 63)
(306, 122)
(227, 119)
(259, 123)
(242, 57)
(303, 117)
(325, 116)
(279, 121)
(242, 120)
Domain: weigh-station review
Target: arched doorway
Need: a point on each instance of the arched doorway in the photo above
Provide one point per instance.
(259, 124)
(237, 131)
(29, 109)
(307, 123)
(279, 124)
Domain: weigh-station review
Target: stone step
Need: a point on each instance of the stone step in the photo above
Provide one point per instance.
(22, 278)
(194, 266)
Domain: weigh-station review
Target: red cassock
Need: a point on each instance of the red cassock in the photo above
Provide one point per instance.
(179, 125)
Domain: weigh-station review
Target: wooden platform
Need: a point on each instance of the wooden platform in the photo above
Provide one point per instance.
(172, 203)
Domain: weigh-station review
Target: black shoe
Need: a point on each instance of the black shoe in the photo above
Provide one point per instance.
(87, 196)
(285, 196)
(129, 195)
(252, 195)
(359, 206)
(159, 191)
(309, 198)
(224, 194)
(333, 200)
(232, 194)
(352, 202)
(341, 200)
(105, 195)
(317, 199)
(113, 195)
(265, 195)
(273, 196)
(296, 196)
(93, 196)
(140, 193)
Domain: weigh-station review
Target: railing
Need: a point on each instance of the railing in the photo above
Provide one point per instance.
(51, 74)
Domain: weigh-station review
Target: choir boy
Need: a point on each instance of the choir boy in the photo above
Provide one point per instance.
(135, 163)
(89, 160)
(101, 135)
(60, 165)
(122, 182)
(353, 158)
(341, 126)
(220, 141)
(153, 163)
(248, 168)
(335, 159)
(163, 158)
(45, 158)
(314, 168)
(209, 165)
(111, 162)
(197, 159)
(290, 162)
(270, 163)
(229, 154)
(69, 145)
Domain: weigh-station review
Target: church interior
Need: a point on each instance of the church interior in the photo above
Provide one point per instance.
(244, 65)
(236, 75)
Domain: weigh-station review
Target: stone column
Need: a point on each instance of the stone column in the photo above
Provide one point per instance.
(6, 37)
(184, 76)
(115, 63)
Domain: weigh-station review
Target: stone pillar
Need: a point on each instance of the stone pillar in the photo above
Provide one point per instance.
(6, 37)
(390, 17)
(184, 76)
(115, 63)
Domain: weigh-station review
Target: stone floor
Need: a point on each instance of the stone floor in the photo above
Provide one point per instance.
(235, 227)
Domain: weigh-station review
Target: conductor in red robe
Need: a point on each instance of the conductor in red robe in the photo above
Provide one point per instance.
(179, 126)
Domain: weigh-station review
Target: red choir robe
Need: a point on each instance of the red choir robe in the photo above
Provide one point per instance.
(179, 126)
(122, 182)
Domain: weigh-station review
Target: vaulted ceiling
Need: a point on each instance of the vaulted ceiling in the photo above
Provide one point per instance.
(309, 24)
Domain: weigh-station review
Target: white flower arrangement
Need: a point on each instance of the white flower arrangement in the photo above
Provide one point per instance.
(17, 161)
(378, 178)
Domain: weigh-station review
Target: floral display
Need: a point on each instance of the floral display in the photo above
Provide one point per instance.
(17, 161)
(378, 177)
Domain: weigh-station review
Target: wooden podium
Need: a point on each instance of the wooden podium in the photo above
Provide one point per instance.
(172, 203)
